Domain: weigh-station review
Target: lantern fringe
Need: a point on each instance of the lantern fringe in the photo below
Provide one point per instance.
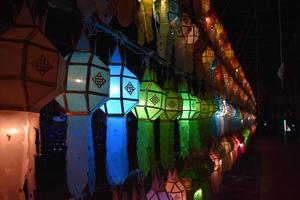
(34, 119)
(145, 23)
(167, 144)
(195, 139)
(77, 155)
(92, 165)
(145, 147)
(116, 150)
(184, 137)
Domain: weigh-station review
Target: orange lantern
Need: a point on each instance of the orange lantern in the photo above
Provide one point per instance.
(205, 6)
(32, 73)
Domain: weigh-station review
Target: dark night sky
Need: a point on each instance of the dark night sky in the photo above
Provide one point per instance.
(243, 29)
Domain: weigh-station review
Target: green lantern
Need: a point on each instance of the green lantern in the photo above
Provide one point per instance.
(188, 111)
(173, 110)
(151, 105)
(194, 123)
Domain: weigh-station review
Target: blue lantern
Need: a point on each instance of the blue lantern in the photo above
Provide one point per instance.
(124, 95)
(86, 89)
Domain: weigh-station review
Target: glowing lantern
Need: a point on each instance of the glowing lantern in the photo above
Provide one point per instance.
(152, 103)
(173, 110)
(229, 53)
(145, 30)
(205, 6)
(174, 187)
(123, 96)
(194, 132)
(208, 56)
(188, 112)
(198, 195)
(184, 46)
(168, 17)
(86, 89)
(31, 75)
(158, 191)
(228, 159)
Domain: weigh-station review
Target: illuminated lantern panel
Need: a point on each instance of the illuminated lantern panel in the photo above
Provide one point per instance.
(30, 67)
(87, 82)
(198, 195)
(152, 101)
(124, 87)
(15, 144)
(176, 189)
(174, 106)
(205, 6)
(208, 56)
(189, 103)
(158, 191)
(187, 182)
(198, 108)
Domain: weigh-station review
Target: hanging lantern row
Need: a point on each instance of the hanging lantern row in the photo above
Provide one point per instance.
(217, 34)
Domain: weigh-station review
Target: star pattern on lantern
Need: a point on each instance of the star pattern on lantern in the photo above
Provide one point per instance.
(154, 100)
(172, 104)
(129, 88)
(42, 65)
(99, 80)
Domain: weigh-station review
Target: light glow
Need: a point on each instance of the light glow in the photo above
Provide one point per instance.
(77, 80)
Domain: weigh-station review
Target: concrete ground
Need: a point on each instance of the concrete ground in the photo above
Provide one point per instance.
(270, 170)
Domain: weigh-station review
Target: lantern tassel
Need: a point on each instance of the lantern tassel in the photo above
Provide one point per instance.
(77, 155)
(195, 139)
(116, 150)
(184, 137)
(167, 144)
(145, 146)
(92, 165)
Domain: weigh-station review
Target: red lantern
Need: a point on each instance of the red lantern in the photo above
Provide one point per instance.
(31, 67)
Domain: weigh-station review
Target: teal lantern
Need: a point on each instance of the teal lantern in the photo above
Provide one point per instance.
(188, 111)
(151, 105)
(123, 96)
(173, 109)
(86, 89)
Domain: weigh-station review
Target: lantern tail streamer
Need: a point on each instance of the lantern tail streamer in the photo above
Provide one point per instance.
(184, 137)
(92, 165)
(145, 147)
(14, 147)
(30, 177)
(166, 144)
(116, 150)
(145, 19)
(195, 139)
(77, 154)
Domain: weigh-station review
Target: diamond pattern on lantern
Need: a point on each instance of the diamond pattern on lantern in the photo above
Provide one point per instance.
(99, 80)
(154, 100)
(129, 88)
(172, 104)
(42, 65)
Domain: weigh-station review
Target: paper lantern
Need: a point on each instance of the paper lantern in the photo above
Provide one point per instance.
(173, 110)
(184, 44)
(205, 6)
(194, 132)
(208, 56)
(86, 89)
(158, 191)
(151, 105)
(188, 112)
(123, 96)
(31, 74)
(167, 15)
(30, 67)
(174, 187)
(198, 195)
(145, 30)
